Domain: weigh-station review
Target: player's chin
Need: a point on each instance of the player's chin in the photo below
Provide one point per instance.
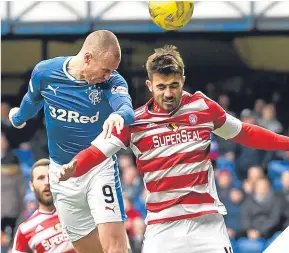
(47, 197)
(48, 201)
(100, 80)
(169, 106)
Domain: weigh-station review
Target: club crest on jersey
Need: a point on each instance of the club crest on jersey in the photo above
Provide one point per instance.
(94, 96)
(193, 119)
(173, 127)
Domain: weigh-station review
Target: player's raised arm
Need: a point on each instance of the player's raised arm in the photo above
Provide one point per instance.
(99, 151)
(252, 136)
(31, 103)
(120, 101)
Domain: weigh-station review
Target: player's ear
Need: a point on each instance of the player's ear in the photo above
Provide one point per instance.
(31, 186)
(149, 85)
(87, 57)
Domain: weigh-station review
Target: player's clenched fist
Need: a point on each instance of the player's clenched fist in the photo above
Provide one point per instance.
(67, 170)
(11, 113)
(114, 120)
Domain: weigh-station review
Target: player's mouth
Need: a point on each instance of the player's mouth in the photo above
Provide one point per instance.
(169, 102)
(47, 192)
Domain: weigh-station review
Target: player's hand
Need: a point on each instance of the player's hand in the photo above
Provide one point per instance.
(67, 170)
(114, 120)
(11, 113)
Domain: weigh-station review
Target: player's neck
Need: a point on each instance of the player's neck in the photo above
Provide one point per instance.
(45, 208)
(157, 109)
(74, 68)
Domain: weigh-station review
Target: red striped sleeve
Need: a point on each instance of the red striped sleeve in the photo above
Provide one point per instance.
(260, 138)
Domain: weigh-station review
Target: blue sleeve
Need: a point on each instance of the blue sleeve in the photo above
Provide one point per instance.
(31, 103)
(119, 98)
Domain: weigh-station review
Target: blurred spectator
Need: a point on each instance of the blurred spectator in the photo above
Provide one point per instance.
(282, 155)
(5, 122)
(254, 174)
(30, 205)
(226, 148)
(214, 151)
(258, 108)
(131, 182)
(261, 211)
(247, 157)
(224, 101)
(224, 184)
(233, 206)
(125, 160)
(39, 144)
(138, 235)
(15, 137)
(269, 120)
(211, 91)
(12, 188)
(139, 203)
(132, 214)
(285, 196)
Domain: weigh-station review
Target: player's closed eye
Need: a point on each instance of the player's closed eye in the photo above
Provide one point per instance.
(174, 86)
(161, 87)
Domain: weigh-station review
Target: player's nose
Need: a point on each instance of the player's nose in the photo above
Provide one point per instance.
(46, 180)
(168, 94)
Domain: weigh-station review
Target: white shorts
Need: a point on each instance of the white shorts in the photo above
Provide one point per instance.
(204, 234)
(84, 202)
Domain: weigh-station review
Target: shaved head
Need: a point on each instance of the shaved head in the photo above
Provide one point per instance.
(99, 56)
(102, 42)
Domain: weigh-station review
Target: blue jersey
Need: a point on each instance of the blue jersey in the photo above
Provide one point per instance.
(74, 110)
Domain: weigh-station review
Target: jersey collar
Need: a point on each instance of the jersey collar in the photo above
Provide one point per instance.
(70, 77)
(157, 110)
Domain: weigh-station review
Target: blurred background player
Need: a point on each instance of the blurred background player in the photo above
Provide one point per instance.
(42, 232)
(171, 141)
(82, 95)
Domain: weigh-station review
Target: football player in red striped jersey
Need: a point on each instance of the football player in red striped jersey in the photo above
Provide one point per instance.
(42, 231)
(171, 141)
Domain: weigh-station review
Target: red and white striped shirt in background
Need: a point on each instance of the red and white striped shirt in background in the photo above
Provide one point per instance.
(172, 152)
(42, 233)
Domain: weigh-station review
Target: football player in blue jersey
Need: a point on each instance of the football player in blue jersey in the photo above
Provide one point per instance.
(82, 96)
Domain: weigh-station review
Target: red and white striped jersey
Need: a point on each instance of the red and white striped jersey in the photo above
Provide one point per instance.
(42, 233)
(172, 152)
